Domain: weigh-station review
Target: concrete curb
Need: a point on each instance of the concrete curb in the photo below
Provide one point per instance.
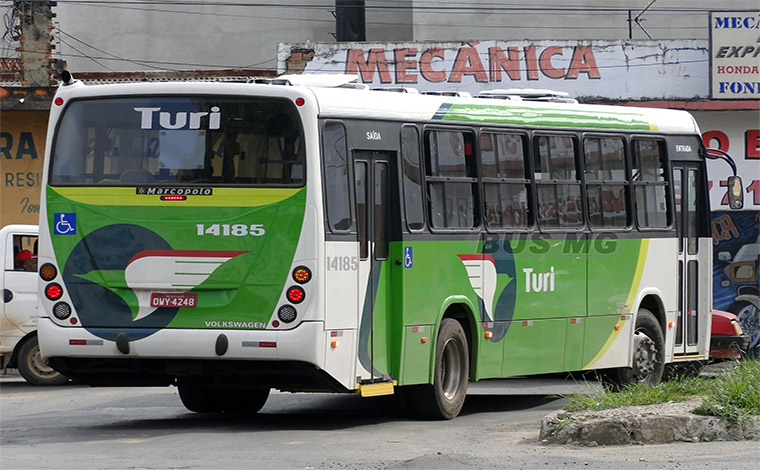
(650, 424)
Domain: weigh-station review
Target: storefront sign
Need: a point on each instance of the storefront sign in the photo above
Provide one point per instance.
(735, 55)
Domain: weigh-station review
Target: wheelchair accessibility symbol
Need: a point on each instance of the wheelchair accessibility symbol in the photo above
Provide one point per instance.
(65, 223)
(408, 259)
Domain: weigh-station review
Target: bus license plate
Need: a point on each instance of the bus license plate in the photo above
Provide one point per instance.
(174, 300)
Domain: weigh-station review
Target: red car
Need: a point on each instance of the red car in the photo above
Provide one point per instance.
(728, 340)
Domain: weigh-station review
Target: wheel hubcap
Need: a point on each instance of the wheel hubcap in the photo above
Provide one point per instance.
(38, 366)
(451, 369)
(644, 356)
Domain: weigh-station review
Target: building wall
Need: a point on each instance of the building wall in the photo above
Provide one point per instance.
(120, 37)
(22, 149)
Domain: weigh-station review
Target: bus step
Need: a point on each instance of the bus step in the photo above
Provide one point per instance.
(376, 389)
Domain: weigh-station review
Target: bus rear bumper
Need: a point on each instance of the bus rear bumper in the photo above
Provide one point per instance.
(287, 360)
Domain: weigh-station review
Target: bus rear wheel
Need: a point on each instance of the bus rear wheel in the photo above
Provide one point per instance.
(241, 401)
(445, 397)
(197, 398)
(648, 365)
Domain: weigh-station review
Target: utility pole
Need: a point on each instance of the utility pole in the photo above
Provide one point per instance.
(36, 42)
(350, 23)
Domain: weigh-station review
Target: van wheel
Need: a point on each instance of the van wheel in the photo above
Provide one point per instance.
(33, 369)
(445, 397)
(648, 355)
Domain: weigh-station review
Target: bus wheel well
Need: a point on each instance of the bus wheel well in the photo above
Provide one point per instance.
(654, 305)
(461, 313)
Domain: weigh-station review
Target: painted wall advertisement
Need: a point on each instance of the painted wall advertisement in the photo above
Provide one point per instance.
(22, 149)
(735, 55)
(580, 68)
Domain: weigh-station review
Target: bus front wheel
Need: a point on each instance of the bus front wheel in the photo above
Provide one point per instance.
(648, 366)
(445, 397)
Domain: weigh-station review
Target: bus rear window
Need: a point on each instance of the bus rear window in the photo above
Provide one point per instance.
(179, 140)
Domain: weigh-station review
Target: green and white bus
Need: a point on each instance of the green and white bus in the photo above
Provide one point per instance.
(310, 234)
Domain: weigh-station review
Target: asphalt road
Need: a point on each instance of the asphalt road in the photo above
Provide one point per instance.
(77, 427)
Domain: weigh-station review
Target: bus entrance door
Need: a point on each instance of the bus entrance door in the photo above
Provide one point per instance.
(372, 180)
(694, 311)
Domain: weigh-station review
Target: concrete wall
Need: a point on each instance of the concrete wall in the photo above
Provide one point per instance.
(143, 37)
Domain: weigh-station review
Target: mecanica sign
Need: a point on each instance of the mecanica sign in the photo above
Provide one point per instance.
(607, 69)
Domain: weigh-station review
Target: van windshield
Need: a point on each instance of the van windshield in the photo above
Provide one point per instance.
(179, 140)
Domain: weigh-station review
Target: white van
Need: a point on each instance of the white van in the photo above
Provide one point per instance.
(18, 312)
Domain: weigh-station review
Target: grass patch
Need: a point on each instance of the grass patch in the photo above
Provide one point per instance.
(734, 396)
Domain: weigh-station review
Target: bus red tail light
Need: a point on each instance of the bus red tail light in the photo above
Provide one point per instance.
(53, 291)
(296, 295)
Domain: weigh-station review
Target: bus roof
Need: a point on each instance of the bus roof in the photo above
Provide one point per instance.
(338, 98)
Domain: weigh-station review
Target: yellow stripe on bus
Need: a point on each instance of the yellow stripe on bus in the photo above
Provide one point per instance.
(222, 197)
(631, 298)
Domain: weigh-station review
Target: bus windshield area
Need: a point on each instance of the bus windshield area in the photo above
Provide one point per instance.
(179, 140)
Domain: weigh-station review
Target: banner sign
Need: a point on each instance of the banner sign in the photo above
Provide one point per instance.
(625, 70)
(735, 55)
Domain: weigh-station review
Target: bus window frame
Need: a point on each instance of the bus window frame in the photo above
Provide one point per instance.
(627, 149)
(476, 180)
(401, 177)
(579, 170)
(352, 230)
(662, 140)
(528, 181)
(59, 122)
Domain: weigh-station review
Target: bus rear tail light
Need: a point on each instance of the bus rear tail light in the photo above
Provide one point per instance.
(48, 272)
(62, 310)
(296, 295)
(287, 313)
(302, 274)
(53, 291)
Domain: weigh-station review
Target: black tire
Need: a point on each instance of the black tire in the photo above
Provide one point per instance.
(445, 397)
(241, 401)
(648, 355)
(197, 398)
(33, 369)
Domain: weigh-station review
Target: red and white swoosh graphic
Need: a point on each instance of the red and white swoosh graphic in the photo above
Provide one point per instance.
(173, 271)
(481, 269)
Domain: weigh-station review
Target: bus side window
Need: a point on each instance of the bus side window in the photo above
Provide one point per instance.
(558, 184)
(606, 182)
(336, 177)
(410, 158)
(649, 184)
(451, 179)
(505, 183)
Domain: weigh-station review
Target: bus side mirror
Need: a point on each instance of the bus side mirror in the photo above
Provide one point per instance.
(735, 192)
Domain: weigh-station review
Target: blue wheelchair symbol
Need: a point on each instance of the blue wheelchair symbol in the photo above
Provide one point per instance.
(65, 223)
(408, 259)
